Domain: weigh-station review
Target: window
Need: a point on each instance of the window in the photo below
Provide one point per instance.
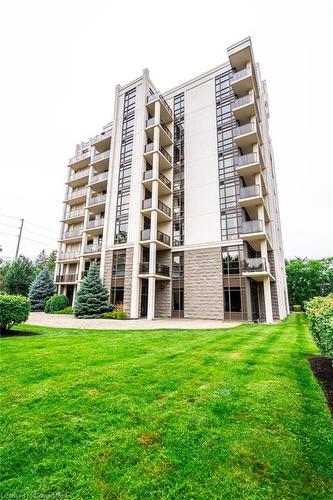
(178, 299)
(117, 295)
(178, 170)
(232, 299)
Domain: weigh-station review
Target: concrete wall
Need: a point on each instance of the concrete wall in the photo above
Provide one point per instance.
(108, 270)
(128, 279)
(203, 284)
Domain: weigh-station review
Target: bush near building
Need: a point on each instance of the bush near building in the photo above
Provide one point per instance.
(56, 303)
(319, 312)
(14, 309)
(92, 296)
(41, 290)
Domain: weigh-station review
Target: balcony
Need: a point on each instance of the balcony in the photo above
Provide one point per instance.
(72, 235)
(164, 156)
(245, 107)
(242, 59)
(95, 223)
(66, 278)
(166, 112)
(248, 164)
(161, 271)
(101, 137)
(77, 178)
(69, 255)
(99, 178)
(77, 196)
(79, 160)
(101, 156)
(256, 268)
(165, 133)
(166, 159)
(92, 248)
(254, 231)
(162, 240)
(250, 196)
(248, 134)
(164, 184)
(97, 200)
(74, 215)
(163, 211)
(165, 181)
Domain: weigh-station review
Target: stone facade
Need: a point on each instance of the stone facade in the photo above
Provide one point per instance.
(108, 270)
(128, 279)
(203, 284)
(261, 301)
(163, 288)
(274, 294)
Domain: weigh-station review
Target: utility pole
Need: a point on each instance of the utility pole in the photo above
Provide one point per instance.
(19, 239)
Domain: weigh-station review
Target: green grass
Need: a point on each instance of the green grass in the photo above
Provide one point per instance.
(194, 414)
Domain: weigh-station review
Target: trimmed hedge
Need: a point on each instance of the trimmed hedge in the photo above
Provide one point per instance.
(56, 303)
(14, 309)
(319, 312)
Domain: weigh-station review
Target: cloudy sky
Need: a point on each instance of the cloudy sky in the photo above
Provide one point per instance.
(61, 61)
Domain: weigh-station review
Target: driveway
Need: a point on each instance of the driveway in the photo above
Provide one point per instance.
(69, 321)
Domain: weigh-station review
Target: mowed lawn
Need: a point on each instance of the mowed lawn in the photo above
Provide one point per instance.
(222, 414)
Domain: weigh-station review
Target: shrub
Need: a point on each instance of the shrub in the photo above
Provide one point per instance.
(92, 297)
(19, 276)
(297, 309)
(41, 289)
(117, 314)
(67, 310)
(14, 309)
(56, 303)
(319, 312)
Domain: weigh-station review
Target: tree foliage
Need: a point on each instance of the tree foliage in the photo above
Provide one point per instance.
(308, 278)
(14, 309)
(18, 276)
(41, 289)
(92, 297)
(56, 303)
(319, 312)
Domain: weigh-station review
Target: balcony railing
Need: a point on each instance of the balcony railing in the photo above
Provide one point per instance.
(102, 136)
(255, 265)
(69, 255)
(81, 173)
(166, 130)
(93, 248)
(76, 194)
(150, 122)
(74, 214)
(97, 199)
(161, 237)
(245, 129)
(72, 234)
(99, 177)
(149, 147)
(79, 157)
(95, 223)
(148, 174)
(66, 278)
(164, 208)
(249, 191)
(166, 154)
(160, 269)
(147, 203)
(242, 101)
(159, 96)
(243, 73)
(165, 180)
(247, 159)
(252, 226)
(101, 156)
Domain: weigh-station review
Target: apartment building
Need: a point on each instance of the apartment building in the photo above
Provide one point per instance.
(176, 199)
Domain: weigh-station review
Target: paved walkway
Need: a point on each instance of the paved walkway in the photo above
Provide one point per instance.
(68, 321)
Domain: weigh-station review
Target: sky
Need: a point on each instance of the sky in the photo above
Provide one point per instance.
(61, 61)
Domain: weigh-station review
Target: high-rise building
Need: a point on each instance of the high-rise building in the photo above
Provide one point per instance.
(176, 199)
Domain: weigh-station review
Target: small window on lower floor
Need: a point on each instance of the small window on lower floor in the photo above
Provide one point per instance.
(117, 295)
(178, 299)
(232, 299)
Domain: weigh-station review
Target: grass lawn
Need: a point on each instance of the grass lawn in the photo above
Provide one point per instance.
(191, 414)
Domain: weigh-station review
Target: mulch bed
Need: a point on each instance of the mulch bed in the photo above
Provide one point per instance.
(17, 333)
(323, 371)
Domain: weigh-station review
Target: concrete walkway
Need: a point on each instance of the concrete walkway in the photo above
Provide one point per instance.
(69, 321)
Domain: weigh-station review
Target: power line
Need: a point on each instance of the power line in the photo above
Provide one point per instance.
(41, 227)
(38, 234)
(9, 217)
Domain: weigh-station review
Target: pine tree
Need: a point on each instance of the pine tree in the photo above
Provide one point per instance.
(92, 297)
(41, 289)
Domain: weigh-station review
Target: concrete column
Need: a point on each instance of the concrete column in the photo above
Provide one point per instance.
(158, 112)
(152, 258)
(268, 300)
(151, 298)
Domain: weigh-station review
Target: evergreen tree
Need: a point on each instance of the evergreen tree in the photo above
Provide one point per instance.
(41, 261)
(19, 276)
(41, 289)
(92, 297)
(51, 261)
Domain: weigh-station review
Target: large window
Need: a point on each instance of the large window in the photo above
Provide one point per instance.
(117, 277)
(178, 299)
(177, 284)
(232, 299)
(178, 171)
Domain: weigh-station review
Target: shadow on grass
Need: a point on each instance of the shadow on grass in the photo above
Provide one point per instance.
(322, 369)
(18, 333)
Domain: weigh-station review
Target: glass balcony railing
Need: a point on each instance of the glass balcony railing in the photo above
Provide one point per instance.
(255, 265)
(76, 194)
(102, 136)
(80, 157)
(95, 223)
(242, 101)
(148, 174)
(243, 73)
(99, 177)
(72, 234)
(100, 156)
(66, 278)
(69, 255)
(71, 214)
(149, 147)
(161, 269)
(97, 199)
(81, 173)
(145, 235)
(93, 248)
(245, 129)
(161, 237)
(249, 191)
(147, 203)
(252, 226)
(150, 122)
(247, 159)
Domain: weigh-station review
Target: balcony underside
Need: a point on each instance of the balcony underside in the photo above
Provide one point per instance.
(76, 200)
(77, 165)
(159, 244)
(94, 231)
(163, 161)
(244, 113)
(162, 188)
(165, 115)
(247, 140)
(73, 218)
(165, 139)
(161, 216)
(258, 275)
(248, 169)
(80, 181)
(156, 276)
(73, 239)
(97, 207)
